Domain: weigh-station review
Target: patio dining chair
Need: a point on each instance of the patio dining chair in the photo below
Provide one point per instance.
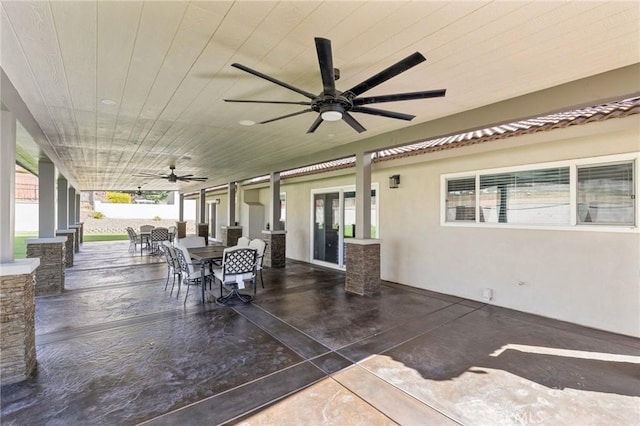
(173, 266)
(190, 275)
(244, 241)
(134, 240)
(172, 232)
(191, 241)
(238, 267)
(260, 247)
(146, 228)
(157, 237)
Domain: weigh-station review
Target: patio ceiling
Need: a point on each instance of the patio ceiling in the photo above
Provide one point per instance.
(120, 88)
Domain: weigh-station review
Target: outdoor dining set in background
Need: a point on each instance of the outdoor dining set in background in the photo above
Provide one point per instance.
(195, 261)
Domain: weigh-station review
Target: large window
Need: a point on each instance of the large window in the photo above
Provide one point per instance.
(585, 194)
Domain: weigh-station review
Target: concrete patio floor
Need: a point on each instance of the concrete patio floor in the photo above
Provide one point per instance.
(116, 349)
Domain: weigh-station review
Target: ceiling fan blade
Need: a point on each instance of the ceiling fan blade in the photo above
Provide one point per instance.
(315, 124)
(146, 175)
(268, 102)
(400, 97)
(384, 75)
(348, 118)
(273, 80)
(286, 116)
(189, 179)
(383, 113)
(325, 59)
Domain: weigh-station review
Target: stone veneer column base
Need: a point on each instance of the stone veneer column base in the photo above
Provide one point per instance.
(181, 229)
(69, 246)
(229, 235)
(363, 267)
(203, 231)
(17, 320)
(50, 273)
(275, 252)
(76, 238)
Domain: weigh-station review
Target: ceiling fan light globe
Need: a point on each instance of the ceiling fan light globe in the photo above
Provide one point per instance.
(331, 115)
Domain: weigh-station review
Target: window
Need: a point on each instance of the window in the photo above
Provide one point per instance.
(605, 194)
(527, 197)
(584, 193)
(461, 199)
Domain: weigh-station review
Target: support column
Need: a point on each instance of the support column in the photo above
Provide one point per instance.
(275, 251)
(72, 225)
(276, 238)
(231, 204)
(181, 224)
(7, 184)
(48, 248)
(229, 235)
(203, 226)
(63, 204)
(17, 316)
(363, 253)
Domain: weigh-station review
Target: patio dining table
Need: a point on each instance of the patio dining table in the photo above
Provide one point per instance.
(206, 255)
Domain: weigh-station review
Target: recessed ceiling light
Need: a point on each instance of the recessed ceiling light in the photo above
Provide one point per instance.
(247, 122)
(108, 102)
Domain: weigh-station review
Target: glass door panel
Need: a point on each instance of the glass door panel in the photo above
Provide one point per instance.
(326, 227)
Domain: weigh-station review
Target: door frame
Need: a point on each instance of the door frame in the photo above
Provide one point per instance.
(340, 190)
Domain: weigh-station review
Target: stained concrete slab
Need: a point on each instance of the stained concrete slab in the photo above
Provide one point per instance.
(117, 349)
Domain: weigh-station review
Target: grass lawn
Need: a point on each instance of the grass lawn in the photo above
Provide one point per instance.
(20, 248)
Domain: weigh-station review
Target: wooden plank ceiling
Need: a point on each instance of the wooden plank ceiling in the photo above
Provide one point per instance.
(120, 88)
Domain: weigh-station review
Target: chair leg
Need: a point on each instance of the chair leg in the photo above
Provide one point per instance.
(185, 297)
(167, 283)
(261, 280)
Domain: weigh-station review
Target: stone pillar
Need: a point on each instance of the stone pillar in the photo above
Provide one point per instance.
(363, 267)
(181, 229)
(69, 248)
(229, 235)
(203, 231)
(50, 273)
(275, 252)
(76, 237)
(17, 320)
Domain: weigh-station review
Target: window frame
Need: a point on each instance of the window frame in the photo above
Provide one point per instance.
(573, 165)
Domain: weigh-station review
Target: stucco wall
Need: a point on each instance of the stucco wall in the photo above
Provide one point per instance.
(585, 277)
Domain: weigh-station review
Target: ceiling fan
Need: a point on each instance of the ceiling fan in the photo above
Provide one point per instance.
(139, 191)
(172, 177)
(332, 104)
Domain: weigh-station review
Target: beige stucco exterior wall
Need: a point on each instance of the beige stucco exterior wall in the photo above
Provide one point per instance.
(585, 277)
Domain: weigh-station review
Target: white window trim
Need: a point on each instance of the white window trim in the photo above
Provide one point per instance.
(573, 166)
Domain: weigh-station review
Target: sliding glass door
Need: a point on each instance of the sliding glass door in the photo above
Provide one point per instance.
(334, 222)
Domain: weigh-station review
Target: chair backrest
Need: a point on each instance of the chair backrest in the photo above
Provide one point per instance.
(146, 228)
(259, 245)
(184, 260)
(244, 241)
(132, 234)
(159, 234)
(168, 256)
(191, 242)
(172, 229)
(239, 260)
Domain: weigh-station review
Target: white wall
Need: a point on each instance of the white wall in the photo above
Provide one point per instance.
(27, 215)
(146, 211)
(585, 277)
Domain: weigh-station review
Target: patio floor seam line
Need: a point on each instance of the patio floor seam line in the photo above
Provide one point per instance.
(382, 413)
(329, 350)
(435, 327)
(404, 392)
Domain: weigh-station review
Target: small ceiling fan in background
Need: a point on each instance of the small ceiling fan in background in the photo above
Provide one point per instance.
(139, 191)
(332, 104)
(172, 177)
